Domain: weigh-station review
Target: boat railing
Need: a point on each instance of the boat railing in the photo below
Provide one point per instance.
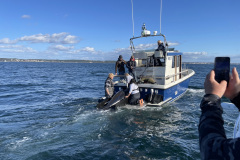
(182, 74)
(176, 74)
(163, 78)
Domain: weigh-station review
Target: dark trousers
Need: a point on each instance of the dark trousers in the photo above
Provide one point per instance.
(121, 73)
(133, 99)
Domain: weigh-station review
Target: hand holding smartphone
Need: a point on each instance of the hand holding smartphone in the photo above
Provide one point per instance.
(222, 69)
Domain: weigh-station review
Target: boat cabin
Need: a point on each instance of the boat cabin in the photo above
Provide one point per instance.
(157, 68)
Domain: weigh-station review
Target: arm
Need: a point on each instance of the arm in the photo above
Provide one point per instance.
(107, 91)
(130, 91)
(107, 85)
(134, 64)
(236, 101)
(128, 64)
(212, 137)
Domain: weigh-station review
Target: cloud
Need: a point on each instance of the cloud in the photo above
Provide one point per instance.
(153, 45)
(16, 49)
(197, 57)
(173, 43)
(69, 39)
(10, 46)
(26, 16)
(61, 38)
(61, 48)
(195, 53)
(143, 46)
(7, 41)
(88, 50)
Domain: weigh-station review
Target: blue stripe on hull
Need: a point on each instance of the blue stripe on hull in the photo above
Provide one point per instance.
(174, 92)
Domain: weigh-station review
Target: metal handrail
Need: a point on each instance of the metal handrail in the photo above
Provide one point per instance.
(170, 75)
(132, 45)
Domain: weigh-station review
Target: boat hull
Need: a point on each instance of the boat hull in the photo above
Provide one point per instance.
(168, 95)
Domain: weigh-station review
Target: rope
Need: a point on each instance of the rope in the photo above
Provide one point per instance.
(161, 17)
(132, 18)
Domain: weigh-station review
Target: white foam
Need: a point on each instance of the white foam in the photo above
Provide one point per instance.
(19, 143)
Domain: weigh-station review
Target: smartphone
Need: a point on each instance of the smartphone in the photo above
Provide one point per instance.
(222, 68)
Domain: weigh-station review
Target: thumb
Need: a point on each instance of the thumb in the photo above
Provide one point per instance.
(212, 75)
(235, 74)
(223, 83)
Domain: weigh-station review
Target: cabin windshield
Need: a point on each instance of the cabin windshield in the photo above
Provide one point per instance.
(149, 58)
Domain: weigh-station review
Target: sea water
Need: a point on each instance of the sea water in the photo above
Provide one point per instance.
(48, 111)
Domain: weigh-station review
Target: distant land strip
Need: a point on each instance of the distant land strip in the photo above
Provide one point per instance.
(51, 60)
(77, 61)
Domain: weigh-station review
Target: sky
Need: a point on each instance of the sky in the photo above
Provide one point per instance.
(101, 29)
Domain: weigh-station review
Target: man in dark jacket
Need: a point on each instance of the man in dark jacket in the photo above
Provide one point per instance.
(120, 66)
(212, 138)
(131, 66)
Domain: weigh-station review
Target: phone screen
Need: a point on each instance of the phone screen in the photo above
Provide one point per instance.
(222, 68)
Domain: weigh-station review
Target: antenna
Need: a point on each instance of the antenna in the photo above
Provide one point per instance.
(161, 17)
(132, 18)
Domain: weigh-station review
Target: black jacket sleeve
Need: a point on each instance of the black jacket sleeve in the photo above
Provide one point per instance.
(236, 101)
(128, 64)
(212, 137)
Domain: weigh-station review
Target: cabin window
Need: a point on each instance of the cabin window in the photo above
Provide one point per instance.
(178, 61)
(173, 62)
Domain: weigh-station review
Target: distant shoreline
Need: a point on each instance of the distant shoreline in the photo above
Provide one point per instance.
(77, 61)
(53, 61)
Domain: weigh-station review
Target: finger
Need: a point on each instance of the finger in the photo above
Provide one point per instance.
(208, 75)
(230, 77)
(212, 75)
(235, 74)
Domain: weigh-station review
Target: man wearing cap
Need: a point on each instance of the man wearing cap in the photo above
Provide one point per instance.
(120, 66)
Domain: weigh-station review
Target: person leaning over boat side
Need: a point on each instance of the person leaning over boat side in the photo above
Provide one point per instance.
(212, 137)
(133, 94)
(128, 78)
(120, 66)
(131, 64)
(109, 86)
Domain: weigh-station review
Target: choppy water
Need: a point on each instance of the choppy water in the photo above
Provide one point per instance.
(47, 111)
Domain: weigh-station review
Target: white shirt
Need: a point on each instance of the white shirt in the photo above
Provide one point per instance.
(133, 88)
(128, 78)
